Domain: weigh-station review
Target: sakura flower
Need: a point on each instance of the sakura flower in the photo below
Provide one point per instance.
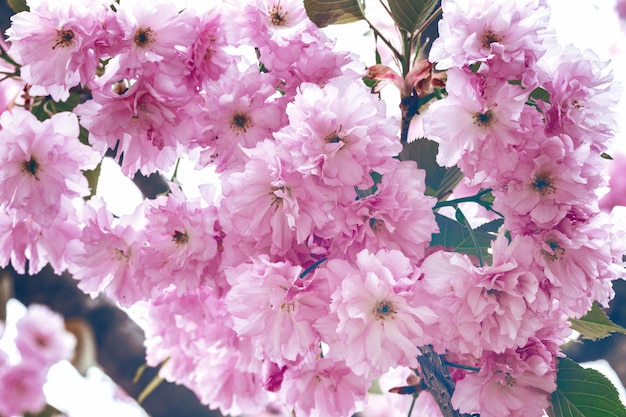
(41, 165)
(495, 307)
(26, 239)
(579, 263)
(278, 23)
(548, 184)
(239, 113)
(154, 116)
(21, 389)
(397, 216)
(338, 133)
(505, 36)
(153, 32)
(42, 338)
(581, 91)
(488, 117)
(377, 319)
(181, 241)
(106, 258)
(274, 307)
(57, 44)
(511, 384)
(320, 387)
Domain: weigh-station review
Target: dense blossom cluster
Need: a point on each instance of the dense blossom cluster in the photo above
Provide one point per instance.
(311, 273)
(41, 342)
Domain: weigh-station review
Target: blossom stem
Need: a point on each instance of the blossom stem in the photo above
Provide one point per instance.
(412, 405)
(311, 268)
(387, 42)
(459, 366)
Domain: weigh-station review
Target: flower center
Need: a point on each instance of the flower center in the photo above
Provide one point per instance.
(180, 237)
(490, 37)
(333, 137)
(556, 251)
(376, 224)
(277, 15)
(544, 184)
(483, 119)
(240, 123)
(383, 309)
(144, 37)
(30, 167)
(65, 38)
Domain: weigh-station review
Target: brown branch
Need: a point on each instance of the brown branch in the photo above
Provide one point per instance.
(437, 380)
(119, 341)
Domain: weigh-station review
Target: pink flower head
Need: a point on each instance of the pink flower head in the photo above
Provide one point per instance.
(153, 117)
(107, 256)
(377, 317)
(209, 58)
(276, 308)
(339, 133)
(581, 96)
(319, 387)
(479, 125)
(510, 384)
(21, 389)
(506, 37)
(57, 44)
(239, 112)
(41, 165)
(397, 216)
(547, 184)
(273, 23)
(181, 242)
(580, 261)
(42, 338)
(153, 32)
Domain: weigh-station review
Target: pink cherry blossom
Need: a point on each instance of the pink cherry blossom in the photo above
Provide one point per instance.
(376, 319)
(58, 44)
(154, 117)
(42, 338)
(506, 37)
(338, 133)
(41, 165)
(397, 216)
(320, 387)
(239, 112)
(510, 384)
(182, 240)
(479, 125)
(153, 32)
(21, 389)
(106, 258)
(582, 97)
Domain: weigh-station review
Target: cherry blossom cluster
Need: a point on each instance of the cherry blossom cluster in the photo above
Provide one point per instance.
(309, 272)
(41, 342)
(530, 121)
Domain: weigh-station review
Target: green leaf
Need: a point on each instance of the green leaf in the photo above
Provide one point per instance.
(92, 179)
(583, 392)
(605, 155)
(457, 237)
(331, 12)
(440, 181)
(18, 5)
(595, 324)
(540, 94)
(410, 15)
